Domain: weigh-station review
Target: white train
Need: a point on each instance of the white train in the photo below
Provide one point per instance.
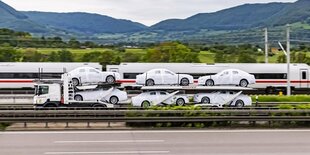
(22, 75)
(268, 76)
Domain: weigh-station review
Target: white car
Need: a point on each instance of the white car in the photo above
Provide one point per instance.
(228, 77)
(220, 98)
(153, 98)
(111, 95)
(89, 75)
(163, 77)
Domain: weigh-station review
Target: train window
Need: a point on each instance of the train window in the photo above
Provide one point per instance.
(304, 75)
(269, 76)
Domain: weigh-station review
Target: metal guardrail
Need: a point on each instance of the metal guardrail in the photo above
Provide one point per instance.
(152, 115)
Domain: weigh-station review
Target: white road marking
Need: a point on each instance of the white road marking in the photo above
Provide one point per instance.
(152, 131)
(116, 152)
(114, 141)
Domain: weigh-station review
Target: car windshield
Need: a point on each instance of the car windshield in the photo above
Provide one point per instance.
(41, 90)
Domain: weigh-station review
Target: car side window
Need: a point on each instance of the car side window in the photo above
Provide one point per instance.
(162, 93)
(93, 71)
(157, 72)
(231, 93)
(152, 93)
(82, 70)
(168, 72)
(235, 72)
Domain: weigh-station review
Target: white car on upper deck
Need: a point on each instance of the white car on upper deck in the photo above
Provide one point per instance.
(163, 77)
(153, 98)
(220, 98)
(228, 77)
(89, 75)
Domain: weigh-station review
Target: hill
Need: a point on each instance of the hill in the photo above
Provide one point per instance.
(240, 17)
(84, 23)
(10, 18)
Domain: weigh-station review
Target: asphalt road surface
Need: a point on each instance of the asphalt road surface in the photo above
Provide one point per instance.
(179, 142)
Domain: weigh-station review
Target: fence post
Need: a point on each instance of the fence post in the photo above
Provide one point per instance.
(46, 124)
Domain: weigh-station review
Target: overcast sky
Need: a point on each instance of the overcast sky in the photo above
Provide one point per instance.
(147, 12)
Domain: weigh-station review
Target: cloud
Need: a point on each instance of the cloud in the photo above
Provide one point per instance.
(144, 11)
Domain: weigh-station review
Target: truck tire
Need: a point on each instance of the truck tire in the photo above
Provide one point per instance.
(50, 105)
(180, 102)
(78, 98)
(110, 79)
(113, 100)
(184, 82)
(75, 82)
(150, 82)
(209, 82)
(98, 105)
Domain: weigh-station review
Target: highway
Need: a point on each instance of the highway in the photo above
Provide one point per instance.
(157, 142)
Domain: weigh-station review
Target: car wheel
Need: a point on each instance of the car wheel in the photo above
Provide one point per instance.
(243, 83)
(209, 82)
(180, 102)
(205, 100)
(75, 82)
(110, 79)
(184, 82)
(150, 82)
(78, 98)
(114, 100)
(145, 104)
(239, 104)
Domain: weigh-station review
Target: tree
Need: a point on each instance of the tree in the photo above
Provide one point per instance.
(9, 54)
(73, 43)
(171, 52)
(53, 57)
(130, 57)
(92, 57)
(245, 57)
(65, 56)
(32, 55)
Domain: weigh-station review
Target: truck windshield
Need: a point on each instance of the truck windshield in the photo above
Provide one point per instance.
(41, 90)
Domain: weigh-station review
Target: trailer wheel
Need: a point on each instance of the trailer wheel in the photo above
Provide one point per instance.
(239, 104)
(243, 83)
(184, 82)
(205, 100)
(180, 102)
(145, 104)
(75, 82)
(110, 79)
(99, 105)
(209, 82)
(114, 100)
(78, 98)
(149, 82)
(50, 105)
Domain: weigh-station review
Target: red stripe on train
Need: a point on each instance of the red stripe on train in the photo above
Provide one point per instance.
(16, 81)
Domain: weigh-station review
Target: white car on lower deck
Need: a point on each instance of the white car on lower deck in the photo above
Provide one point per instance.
(153, 98)
(111, 95)
(220, 98)
(163, 77)
(228, 77)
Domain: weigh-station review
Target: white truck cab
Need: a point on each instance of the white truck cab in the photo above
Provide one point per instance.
(45, 93)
